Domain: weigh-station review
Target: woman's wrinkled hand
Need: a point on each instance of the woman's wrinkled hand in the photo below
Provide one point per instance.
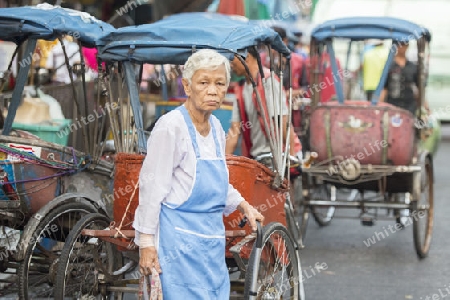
(148, 260)
(251, 213)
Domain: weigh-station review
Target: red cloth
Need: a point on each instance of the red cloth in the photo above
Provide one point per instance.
(264, 59)
(326, 82)
(246, 137)
(90, 56)
(231, 7)
(296, 70)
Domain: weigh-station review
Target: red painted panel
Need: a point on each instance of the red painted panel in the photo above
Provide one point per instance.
(364, 132)
(253, 180)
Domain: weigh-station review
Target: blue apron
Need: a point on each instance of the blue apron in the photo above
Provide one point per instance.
(192, 235)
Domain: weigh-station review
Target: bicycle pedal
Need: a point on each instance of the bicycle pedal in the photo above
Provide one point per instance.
(367, 221)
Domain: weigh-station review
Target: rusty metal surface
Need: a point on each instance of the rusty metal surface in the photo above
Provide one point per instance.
(358, 130)
(28, 233)
(254, 181)
(36, 182)
(126, 195)
(108, 233)
(126, 198)
(32, 193)
(97, 187)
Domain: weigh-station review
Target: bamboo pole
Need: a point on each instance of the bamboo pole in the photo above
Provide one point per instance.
(121, 111)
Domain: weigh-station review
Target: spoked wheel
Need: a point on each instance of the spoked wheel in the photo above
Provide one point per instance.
(422, 210)
(298, 216)
(87, 263)
(37, 272)
(401, 215)
(323, 214)
(274, 271)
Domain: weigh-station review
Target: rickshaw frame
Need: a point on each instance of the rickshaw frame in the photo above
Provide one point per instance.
(384, 178)
(24, 26)
(157, 44)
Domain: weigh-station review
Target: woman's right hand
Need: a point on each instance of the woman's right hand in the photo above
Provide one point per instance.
(148, 259)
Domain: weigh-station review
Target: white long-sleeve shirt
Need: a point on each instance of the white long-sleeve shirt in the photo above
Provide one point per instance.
(167, 174)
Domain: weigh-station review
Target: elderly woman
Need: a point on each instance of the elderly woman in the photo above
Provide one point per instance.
(184, 189)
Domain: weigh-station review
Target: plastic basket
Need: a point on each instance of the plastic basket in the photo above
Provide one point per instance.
(57, 132)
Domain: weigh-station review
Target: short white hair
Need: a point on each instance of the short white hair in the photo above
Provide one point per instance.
(205, 59)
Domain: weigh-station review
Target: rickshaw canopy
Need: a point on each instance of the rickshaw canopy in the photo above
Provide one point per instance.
(361, 28)
(47, 22)
(173, 39)
(292, 30)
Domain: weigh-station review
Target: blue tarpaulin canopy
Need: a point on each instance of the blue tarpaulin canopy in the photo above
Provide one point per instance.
(290, 27)
(361, 28)
(173, 39)
(45, 21)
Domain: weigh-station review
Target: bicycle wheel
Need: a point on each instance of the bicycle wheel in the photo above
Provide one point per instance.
(423, 211)
(275, 266)
(297, 216)
(323, 214)
(87, 263)
(37, 272)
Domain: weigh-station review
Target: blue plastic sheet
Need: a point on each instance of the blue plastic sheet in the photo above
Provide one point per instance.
(173, 39)
(361, 28)
(46, 21)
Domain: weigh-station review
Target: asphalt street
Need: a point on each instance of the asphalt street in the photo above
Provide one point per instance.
(388, 269)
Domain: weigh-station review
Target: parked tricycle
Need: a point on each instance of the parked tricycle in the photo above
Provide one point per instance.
(370, 147)
(45, 186)
(265, 265)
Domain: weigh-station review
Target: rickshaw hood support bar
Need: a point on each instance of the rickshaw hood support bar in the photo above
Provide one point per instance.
(135, 105)
(336, 74)
(22, 78)
(384, 75)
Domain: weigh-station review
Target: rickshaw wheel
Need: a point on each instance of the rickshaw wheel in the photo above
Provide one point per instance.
(323, 214)
(301, 211)
(423, 209)
(278, 270)
(35, 271)
(87, 262)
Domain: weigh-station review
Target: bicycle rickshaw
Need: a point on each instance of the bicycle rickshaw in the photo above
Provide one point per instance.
(45, 187)
(368, 146)
(264, 265)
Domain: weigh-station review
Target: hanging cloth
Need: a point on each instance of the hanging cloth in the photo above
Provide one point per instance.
(231, 7)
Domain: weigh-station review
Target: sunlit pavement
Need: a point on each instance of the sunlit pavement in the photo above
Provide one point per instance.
(389, 269)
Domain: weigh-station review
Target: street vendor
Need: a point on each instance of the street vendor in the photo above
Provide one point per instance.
(184, 189)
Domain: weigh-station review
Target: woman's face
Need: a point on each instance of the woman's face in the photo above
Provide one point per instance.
(207, 89)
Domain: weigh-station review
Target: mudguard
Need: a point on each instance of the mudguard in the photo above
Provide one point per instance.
(39, 216)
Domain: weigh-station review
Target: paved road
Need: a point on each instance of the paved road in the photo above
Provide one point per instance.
(389, 269)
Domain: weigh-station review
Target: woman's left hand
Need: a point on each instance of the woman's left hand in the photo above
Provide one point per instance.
(251, 213)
